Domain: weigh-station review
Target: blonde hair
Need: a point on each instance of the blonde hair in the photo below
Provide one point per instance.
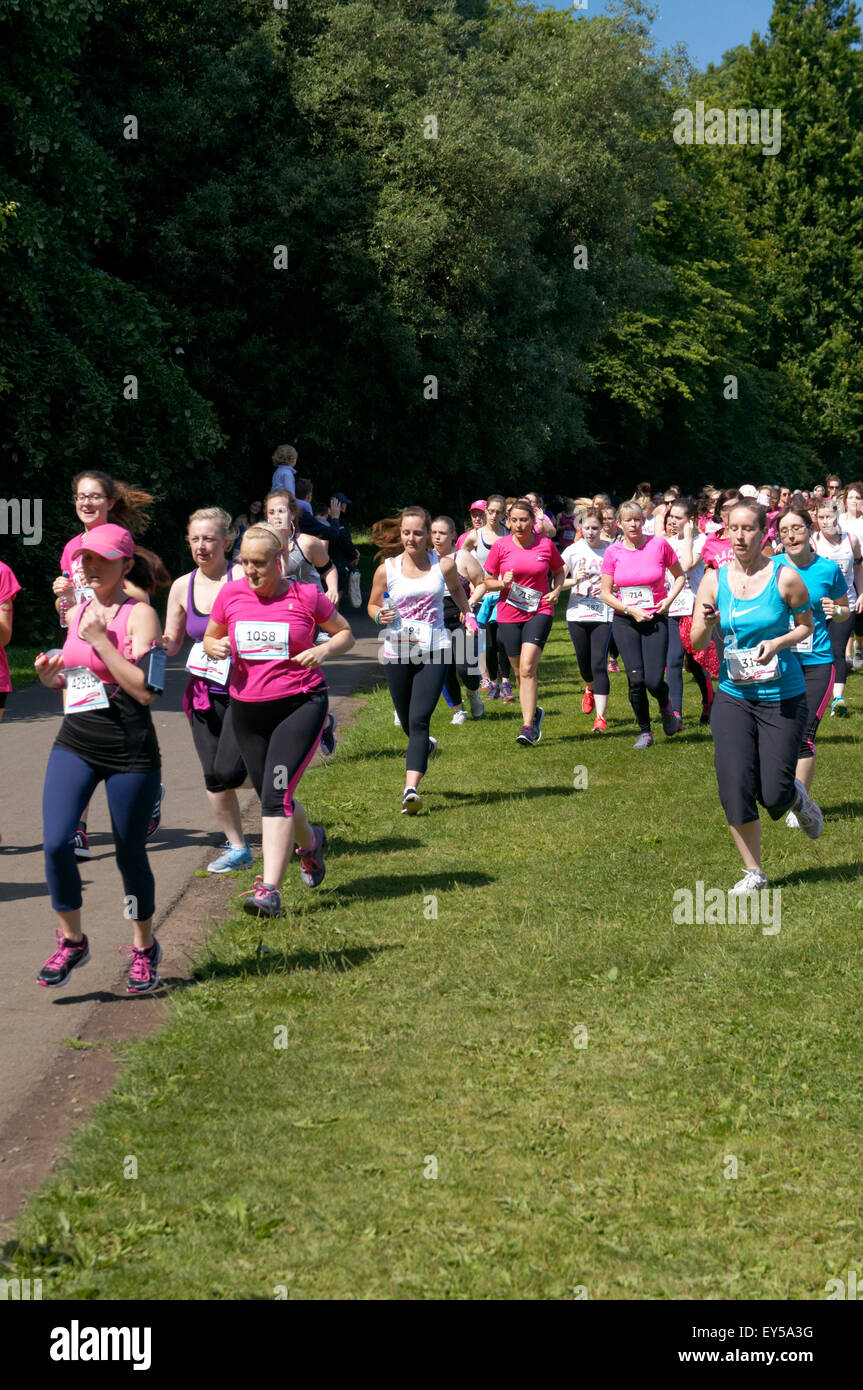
(220, 517)
(286, 453)
(263, 531)
(630, 509)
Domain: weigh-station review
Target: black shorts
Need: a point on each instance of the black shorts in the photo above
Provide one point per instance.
(755, 749)
(3, 695)
(819, 687)
(216, 747)
(513, 635)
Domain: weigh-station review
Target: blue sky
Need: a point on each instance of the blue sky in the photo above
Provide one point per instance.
(707, 27)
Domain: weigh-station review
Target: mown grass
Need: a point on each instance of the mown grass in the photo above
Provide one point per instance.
(21, 664)
(413, 1037)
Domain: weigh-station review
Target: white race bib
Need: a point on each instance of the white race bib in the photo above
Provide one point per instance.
(83, 593)
(585, 610)
(84, 691)
(207, 667)
(524, 598)
(806, 644)
(638, 596)
(683, 604)
(415, 632)
(262, 641)
(743, 669)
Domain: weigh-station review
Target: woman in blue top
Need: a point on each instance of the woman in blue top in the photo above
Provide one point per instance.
(829, 594)
(759, 713)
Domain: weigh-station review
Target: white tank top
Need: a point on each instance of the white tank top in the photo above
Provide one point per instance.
(843, 556)
(420, 603)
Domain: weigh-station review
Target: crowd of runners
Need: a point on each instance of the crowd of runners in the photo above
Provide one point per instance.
(758, 593)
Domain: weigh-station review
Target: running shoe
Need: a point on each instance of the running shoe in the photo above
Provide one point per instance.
(411, 801)
(231, 859)
(537, 721)
(143, 975)
(839, 707)
(857, 659)
(527, 735)
(751, 881)
(612, 668)
(492, 691)
(506, 692)
(328, 737)
(396, 720)
(587, 702)
(312, 867)
(477, 708)
(432, 746)
(156, 817)
(705, 714)
(262, 899)
(809, 815)
(485, 684)
(82, 845)
(644, 741)
(599, 725)
(791, 821)
(57, 968)
(671, 721)
(460, 717)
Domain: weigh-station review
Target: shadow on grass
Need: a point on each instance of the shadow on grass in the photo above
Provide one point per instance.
(337, 845)
(843, 808)
(481, 798)
(337, 961)
(820, 873)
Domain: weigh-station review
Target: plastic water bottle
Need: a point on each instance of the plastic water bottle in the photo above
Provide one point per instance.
(395, 625)
(63, 619)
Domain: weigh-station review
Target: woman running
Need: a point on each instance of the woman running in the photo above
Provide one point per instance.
(9, 587)
(635, 567)
(460, 671)
(759, 714)
(407, 602)
(478, 512)
(843, 548)
(496, 684)
(827, 590)
(852, 521)
(206, 702)
(518, 566)
(687, 542)
(587, 617)
(109, 672)
(265, 623)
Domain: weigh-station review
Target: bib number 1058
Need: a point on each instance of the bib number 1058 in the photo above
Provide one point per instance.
(262, 641)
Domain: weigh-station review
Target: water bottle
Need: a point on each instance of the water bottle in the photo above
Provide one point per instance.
(63, 602)
(395, 625)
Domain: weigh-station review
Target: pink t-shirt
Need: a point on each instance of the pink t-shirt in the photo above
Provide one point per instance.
(640, 568)
(9, 587)
(717, 553)
(302, 607)
(530, 567)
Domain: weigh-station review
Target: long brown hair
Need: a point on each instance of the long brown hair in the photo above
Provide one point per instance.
(387, 533)
(128, 506)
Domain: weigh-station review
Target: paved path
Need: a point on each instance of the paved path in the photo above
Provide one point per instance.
(34, 1021)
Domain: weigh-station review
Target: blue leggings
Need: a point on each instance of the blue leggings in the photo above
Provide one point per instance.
(69, 784)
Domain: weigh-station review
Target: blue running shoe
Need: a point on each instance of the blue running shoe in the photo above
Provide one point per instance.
(230, 859)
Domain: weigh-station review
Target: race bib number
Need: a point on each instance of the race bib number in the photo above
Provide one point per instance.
(522, 597)
(84, 691)
(683, 604)
(587, 609)
(638, 596)
(262, 641)
(806, 644)
(416, 633)
(743, 669)
(207, 667)
(83, 593)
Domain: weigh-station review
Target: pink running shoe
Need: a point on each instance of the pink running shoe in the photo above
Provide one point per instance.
(262, 899)
(57, 968)
(143, 975)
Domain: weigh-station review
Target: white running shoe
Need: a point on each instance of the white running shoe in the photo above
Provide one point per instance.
(411, 802)
(432, 746)
(808, 814)
(460, 717)
(857, 660)
(749, 883)
(791, 821)
(396, 720)
(477, 705)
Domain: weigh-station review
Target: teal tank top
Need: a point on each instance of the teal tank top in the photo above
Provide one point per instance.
(745, 623)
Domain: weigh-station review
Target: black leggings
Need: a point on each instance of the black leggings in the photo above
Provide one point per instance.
(643, 648)
(415, 689)
(590, 641)
(839, 634)
(819, 687)
(496, 659)
(677, 655)
(215, 743)
(277, 739)
(463, 669)
(755, 749)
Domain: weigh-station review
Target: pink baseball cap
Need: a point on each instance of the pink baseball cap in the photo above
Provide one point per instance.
(479, 506)
(111, 542)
